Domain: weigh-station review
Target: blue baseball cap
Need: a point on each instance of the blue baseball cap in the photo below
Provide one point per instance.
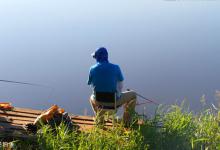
(100, 53)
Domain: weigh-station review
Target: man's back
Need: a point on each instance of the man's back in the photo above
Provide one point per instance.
(105, 76)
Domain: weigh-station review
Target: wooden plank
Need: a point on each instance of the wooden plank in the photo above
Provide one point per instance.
(85, 127)
(88, 122)
(21, 130)
(31, 120)
(38, 112)
(89, 118)
(10, 135)
(2, 119)
(81, 117)
(24, 122)
(11, 126)
(18, 122)
(18, 118)
(21, 113)
(12, 131)
(26, 110)
(11, 113)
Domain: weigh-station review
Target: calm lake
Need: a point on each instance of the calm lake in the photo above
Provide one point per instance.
(168, 51)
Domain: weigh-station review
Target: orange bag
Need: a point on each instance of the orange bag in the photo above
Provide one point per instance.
(6, 106)
(48, 115)
(50, 112)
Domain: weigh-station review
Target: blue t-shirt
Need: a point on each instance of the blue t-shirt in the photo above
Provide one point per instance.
(104, 77)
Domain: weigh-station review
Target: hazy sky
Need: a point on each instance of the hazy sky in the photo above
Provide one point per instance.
(168, 50)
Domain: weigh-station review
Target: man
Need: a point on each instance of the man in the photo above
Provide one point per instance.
(106, 78)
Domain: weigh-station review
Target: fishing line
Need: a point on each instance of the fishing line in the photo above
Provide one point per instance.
(31, 84)
(27, 83)
(142, 103)
(146, 99)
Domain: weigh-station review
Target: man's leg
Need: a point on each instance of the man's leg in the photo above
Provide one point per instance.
(128, 100)
(93, 104)
(99, 113)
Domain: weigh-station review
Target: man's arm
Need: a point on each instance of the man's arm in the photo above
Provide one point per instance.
(120, 82)
(120, 86)
(89, 82)
(120, 75)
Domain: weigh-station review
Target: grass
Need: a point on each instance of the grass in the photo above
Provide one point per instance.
(173, 127)
(95, 139)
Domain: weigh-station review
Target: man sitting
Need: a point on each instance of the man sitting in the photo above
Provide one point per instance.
(106, 80)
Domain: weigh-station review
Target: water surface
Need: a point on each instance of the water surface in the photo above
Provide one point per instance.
(167, 50)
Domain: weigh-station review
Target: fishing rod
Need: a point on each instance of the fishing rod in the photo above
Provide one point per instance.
(16, 82)
(31, 84)
(26, 83)
(143, 97)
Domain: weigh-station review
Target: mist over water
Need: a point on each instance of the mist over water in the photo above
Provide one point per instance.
(168, 51)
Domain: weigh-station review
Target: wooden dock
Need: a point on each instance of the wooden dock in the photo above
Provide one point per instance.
(12, 123)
